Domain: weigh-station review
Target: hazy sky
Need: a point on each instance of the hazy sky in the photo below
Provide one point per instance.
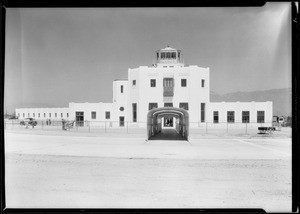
(56, 56)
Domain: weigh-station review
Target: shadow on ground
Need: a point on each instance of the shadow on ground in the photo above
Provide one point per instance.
(168, 134)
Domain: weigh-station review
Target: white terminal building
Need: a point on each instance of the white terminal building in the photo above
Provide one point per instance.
(167, 83)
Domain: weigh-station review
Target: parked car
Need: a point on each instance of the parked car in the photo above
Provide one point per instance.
(28, 122)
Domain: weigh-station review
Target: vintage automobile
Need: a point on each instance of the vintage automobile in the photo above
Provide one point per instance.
(28, 122)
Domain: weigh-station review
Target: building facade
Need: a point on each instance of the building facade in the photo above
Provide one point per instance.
(167, 83)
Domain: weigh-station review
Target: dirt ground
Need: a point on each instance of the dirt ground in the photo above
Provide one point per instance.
(56, 169)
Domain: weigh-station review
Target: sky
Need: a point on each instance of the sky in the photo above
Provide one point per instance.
(54, 56)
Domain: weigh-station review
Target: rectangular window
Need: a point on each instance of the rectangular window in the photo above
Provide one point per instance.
(162, 55)
(134, 112)
(33, 114)
(183, 82)
(260, 116)
(61, 115)
(173, 55)
(39, 115)
(153, 82)
(230, 116)
(49, 114)
(67, 114)
(152, 106)
(168, 55)
(245, 116)
(44, 114)
(202, 112)
(93, 115)
(133, 82)
(107, 115)
(23, 114)
(121, 88)
(18, 114)
(168, 104)
(184, 106)
(28, 115)
(202, 83)
(216, 117)
(168, 82)
(55, 114)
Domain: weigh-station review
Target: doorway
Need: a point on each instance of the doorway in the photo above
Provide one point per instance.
(168, 121)
(121, 121)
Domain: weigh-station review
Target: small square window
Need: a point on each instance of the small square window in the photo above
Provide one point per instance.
(183, 82)
(184, 106)
(153, 83)
(133, 82)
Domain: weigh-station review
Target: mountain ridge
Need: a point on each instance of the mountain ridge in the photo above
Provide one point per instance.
(281, 98)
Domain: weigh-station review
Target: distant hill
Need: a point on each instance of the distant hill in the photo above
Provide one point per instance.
(281, 98)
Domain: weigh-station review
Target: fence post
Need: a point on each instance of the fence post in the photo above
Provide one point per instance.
(227, 128)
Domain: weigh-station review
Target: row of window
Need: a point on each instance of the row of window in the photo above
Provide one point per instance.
(181, 105)
(39, 115)
(167, 82)
(245, 117)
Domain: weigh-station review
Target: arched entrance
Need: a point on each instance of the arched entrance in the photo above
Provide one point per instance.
(159, 117)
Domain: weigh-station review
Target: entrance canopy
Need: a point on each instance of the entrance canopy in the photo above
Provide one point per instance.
(154, 120)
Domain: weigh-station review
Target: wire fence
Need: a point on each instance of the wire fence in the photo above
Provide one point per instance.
(134, 127)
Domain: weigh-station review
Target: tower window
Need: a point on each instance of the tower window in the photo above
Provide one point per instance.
(122, 88)
(202, 83)
(168, 55)
(174, 55)
(183, 82)
(153, 82)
